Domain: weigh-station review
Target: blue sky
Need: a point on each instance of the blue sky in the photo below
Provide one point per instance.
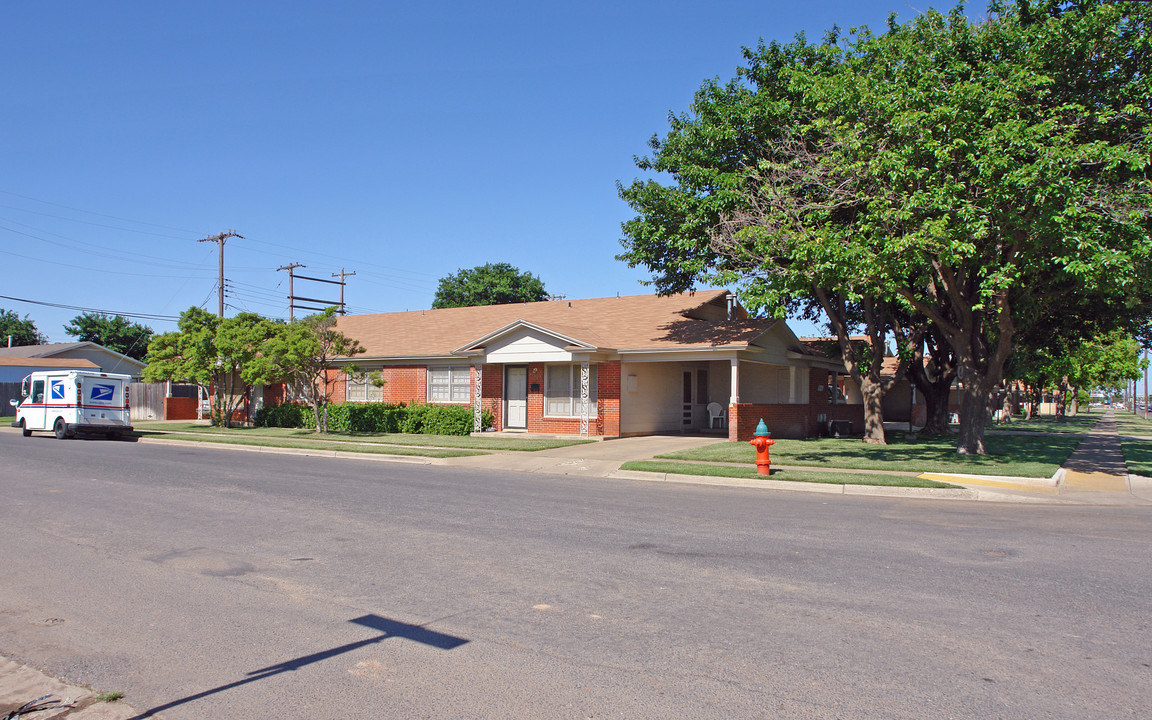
(399, 141)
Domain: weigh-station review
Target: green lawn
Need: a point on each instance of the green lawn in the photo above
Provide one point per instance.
(809, 476)
(1138, 456)
(1129, 424)
(265, 436)
(367, 448)
(1081, 422)
(1017, 455)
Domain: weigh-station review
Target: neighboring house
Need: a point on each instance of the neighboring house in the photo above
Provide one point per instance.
(15, 369)
(617, 366)
(106, 360)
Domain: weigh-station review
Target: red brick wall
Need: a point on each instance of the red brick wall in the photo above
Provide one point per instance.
(274, 394)
(608, 399)
(180, 408)
(492, 392)
(405, 384)
(793, 421)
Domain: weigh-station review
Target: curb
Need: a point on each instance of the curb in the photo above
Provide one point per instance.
(21, 684)
(826, 488)
(378, 457)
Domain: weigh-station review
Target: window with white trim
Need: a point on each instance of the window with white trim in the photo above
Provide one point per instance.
(362, 388)
(562, 390)
(450, 384)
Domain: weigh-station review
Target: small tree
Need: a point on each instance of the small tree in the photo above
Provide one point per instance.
(207, 349)
(114, 332)
(22, 331)
(491, 284)
(303, 354)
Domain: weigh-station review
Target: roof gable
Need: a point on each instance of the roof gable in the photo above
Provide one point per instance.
(518, 328)
(633, 322)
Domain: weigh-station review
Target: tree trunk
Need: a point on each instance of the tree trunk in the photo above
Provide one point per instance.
(936, 393)
(1062, 401)
(873, 393)
(974, 415)
(872, 384)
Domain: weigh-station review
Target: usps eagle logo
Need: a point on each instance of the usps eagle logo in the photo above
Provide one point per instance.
(58, 391)
(103, 392)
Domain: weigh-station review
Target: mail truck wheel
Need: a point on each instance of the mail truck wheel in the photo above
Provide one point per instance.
(60, 429)
(24, 429)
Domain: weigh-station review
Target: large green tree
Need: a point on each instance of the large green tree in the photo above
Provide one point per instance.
(491, 284)
(22, 331)
(207, 349)
(114, 332)
(966, 170)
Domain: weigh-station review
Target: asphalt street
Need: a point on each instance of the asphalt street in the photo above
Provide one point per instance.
(206, 583)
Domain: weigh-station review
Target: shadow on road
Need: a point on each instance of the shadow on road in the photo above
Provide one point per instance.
(389, 628)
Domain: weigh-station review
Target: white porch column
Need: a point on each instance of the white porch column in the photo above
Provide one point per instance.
(792, 384)
(735, 390)
(477, 425)
(585, 391)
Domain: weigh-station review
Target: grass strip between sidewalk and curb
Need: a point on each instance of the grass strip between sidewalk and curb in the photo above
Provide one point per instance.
(264, 436)
(347, 446)
(1025, 455)
(1129, 424)
(808, 476)
(1137, 456)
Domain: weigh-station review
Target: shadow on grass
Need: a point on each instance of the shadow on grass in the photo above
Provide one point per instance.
(1021, 455)
(1138, 456)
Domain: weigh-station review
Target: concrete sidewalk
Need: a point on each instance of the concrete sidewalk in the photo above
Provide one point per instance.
(21, 685)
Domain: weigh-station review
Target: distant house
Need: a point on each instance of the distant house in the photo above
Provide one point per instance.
(617, 366)
(13, 370)
(101, 357)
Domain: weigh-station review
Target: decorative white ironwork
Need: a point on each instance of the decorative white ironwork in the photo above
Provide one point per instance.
(476, 398)
(585, 389)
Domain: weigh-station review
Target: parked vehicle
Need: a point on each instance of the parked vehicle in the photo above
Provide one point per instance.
(69, 402)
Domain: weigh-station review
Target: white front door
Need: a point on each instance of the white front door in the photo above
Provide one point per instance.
(516, 397)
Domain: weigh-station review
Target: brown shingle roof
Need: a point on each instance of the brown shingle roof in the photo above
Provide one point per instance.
(71, 363)
(633, 322)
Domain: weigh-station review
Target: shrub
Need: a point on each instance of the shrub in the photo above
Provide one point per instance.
(286, 415)
(378, 418)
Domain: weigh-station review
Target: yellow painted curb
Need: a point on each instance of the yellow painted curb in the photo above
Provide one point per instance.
(1095, 481)
(1003, 484)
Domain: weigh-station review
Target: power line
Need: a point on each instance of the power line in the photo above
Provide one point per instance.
(73, 243)
(90, 212)
(220, 239)
(90, 269)
(146, 316)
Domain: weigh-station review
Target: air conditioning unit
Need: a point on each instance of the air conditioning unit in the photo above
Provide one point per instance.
(839, 428)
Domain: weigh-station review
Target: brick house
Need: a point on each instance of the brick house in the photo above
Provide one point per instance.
(611, 367)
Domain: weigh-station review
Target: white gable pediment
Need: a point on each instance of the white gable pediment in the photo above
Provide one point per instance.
(523, 342)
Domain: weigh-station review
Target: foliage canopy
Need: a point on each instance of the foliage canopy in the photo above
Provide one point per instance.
(22, 330)
(978, 174)
(491, 284)
(114, 332)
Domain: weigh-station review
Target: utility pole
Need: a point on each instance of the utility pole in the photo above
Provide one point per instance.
(220, 238)
(291, 302)
(342, 275)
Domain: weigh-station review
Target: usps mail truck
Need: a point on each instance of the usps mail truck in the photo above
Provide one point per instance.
(68, 402)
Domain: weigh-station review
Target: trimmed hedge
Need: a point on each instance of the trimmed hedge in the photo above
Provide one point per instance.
(378, 418)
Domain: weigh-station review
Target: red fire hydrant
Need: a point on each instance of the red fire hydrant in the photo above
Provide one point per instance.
(762, 442)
